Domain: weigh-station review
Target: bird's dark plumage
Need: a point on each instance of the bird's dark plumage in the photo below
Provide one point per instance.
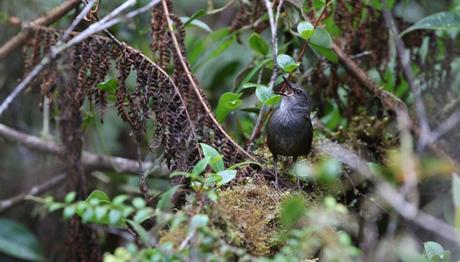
(289, 128)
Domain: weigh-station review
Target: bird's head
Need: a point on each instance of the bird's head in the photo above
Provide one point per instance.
(294, 97)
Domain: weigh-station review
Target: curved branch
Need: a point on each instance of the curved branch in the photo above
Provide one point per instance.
(194, 85)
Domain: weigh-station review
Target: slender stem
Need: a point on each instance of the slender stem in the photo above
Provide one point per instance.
(32, 192)
(194, 85)
(273, 20)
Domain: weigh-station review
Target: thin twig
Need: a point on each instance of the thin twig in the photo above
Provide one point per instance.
(194, 85)
(90, 161)
(212, 11)
(273, 21)
(34, 191)
(407, 70)
(452, 121)
(50, 17)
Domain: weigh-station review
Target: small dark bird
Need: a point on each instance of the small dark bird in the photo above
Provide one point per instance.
(289, 129)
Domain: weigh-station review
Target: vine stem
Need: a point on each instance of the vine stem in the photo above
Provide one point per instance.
(264, 112)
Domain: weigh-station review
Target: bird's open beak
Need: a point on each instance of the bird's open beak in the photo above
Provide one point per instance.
(280, 93)
(286, 89)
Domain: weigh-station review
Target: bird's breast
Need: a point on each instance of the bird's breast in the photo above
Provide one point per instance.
(289, 133)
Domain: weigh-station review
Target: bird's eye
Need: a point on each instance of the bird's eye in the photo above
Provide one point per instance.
(298, 91)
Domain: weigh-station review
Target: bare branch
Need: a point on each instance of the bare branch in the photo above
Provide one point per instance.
(452, 121)
(34, 191)
(90, 161)
(389, 194)
(407, 70)
(18, 40)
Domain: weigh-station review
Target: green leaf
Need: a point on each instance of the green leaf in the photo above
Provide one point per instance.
(100, 212)
(274, 100)
(198, 221)
(318, 4)
(69, 211)
(110, 86)
(197, 23)
(266, 95)
(326, 52)
(138, 202)
(70, 197)
(115, 217)
(98, 195)
(165, 199)
(292, 209)
(88, 215)
(227, 176)
(287, 63)
(216, 161)
(118, 200)
(438, 21)
(200, 166)
(143, 214)
(228, 102)
(141, 232)
(195, 15)
(17, 241)
(321, 43)
(321, 38)
(55, 206)
(305, 29)
(333, 118)
(435, 252)
(258, 44)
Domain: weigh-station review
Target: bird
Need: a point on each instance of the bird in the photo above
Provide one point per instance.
(289, 129)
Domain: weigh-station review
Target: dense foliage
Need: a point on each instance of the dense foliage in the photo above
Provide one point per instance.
(182, 93)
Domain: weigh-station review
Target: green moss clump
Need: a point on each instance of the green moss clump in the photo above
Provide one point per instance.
(248, 213)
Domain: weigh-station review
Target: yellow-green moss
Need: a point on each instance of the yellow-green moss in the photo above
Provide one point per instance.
(248, 212)
(175, 236)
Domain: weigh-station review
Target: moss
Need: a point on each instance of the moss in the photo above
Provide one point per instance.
(175, 236)
(248, 212)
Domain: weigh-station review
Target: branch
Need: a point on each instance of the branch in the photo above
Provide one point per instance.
(194, 85)
(34, 191)
(407, 70)
(388, 193)
(90, 161)
(46, 19)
